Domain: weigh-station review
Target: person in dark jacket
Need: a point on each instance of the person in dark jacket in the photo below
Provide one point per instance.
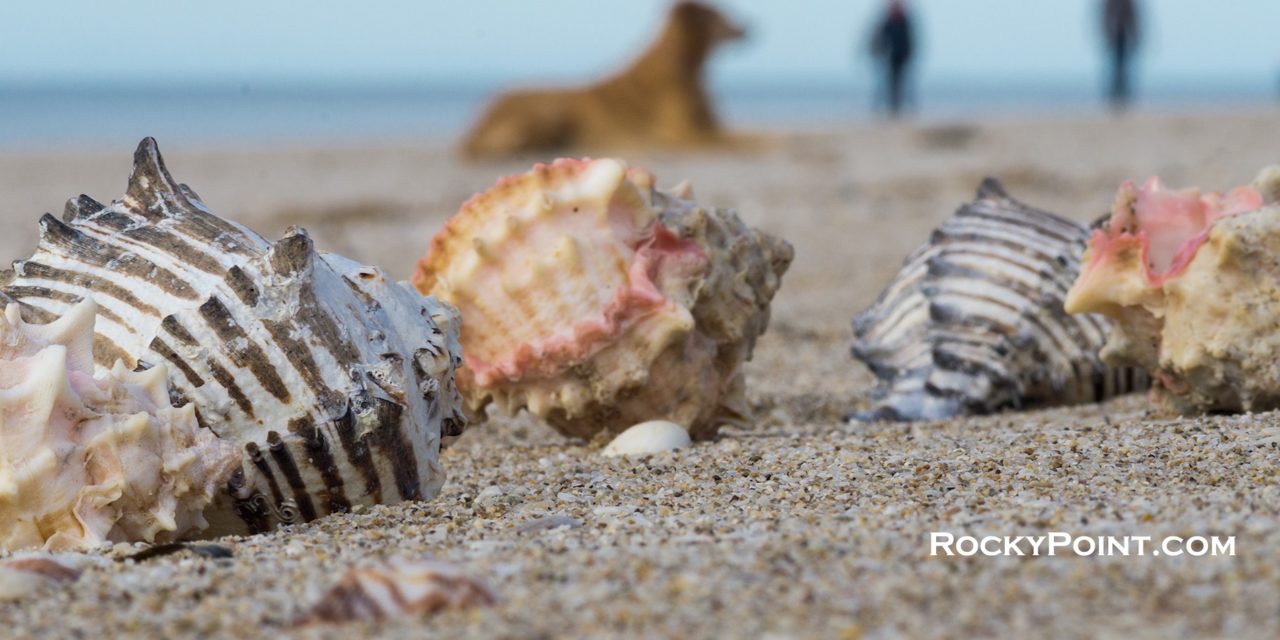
(1120, 26)
(892, 46)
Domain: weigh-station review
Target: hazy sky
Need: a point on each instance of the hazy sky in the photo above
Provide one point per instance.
(508, 40)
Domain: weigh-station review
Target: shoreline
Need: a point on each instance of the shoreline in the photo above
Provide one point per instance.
(856, 117)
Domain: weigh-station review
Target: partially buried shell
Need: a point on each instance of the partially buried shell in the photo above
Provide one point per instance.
(85, 459)
(1191, 283)
(27, 574)
(596, 300)
(335, 383)
(398, 586)
(974, 323)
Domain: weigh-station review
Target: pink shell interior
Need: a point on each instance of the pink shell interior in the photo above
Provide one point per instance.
(624, 294)
(660, 252)
(1167, 225)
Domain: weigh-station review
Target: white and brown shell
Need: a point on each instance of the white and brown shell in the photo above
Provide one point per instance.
(973, 323)
(86, 460)
(596, 300)
(336, 383)
(398, 586)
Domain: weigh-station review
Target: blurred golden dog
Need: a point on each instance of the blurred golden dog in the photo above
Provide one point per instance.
(657, 101)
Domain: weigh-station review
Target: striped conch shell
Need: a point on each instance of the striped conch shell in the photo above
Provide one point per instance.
(1192, 287)
(596, 300)
(335, 383)
(974, 322)
(86, 460)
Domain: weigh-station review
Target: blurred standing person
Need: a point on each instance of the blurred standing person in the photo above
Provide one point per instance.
(1120, 25)
(892, 47)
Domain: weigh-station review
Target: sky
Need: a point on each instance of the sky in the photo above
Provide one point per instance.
(504, 41)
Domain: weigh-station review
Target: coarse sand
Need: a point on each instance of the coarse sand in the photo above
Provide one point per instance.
(799, 525)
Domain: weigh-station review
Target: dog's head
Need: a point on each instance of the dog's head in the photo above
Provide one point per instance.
(705, 21)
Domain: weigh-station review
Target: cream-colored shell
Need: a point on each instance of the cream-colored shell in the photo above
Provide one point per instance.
(85, 460)
(1208, 333)
(654, 436)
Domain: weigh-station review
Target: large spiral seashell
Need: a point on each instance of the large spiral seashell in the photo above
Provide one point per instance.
(335, 383)
(596, 300)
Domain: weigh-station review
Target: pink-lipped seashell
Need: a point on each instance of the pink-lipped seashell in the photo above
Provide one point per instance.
(1191, 283)
(596, 301)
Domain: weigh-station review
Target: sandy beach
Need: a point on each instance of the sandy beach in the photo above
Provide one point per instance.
(799, 525)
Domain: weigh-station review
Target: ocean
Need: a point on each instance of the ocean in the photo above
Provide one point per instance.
(89, 116)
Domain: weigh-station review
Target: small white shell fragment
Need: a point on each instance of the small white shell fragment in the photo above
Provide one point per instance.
(654, 436)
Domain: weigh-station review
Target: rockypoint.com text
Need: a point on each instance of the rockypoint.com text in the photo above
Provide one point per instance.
(1060, 542)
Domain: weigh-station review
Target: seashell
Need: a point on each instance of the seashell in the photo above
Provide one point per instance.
(654, 436)
(335, 383)
(399, 587)
(1191, 284)
(596, 301)
(973, 323)
(212, 551)
(88, 459)
(25, 574)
